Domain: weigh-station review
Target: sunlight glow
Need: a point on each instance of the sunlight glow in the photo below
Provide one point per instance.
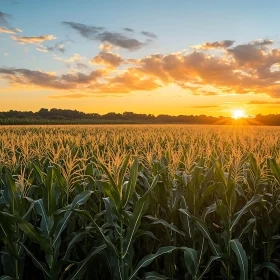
(238, 114)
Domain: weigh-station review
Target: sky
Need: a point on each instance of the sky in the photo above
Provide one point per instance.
(178, 57)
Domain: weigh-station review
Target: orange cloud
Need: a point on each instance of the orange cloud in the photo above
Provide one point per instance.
(9, 31)
(214, 45)
(33, 40)
(242, 69)
(111, 60)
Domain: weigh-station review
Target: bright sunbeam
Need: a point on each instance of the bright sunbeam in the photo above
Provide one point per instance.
(238, 114)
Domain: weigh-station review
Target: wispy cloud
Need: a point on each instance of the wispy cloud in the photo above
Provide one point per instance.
(149, 34)
(4, 18)
(10, 31)
(100, 34)
(214, 45)
(33, 40)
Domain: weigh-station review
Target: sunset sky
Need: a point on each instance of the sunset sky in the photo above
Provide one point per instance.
(160, 57)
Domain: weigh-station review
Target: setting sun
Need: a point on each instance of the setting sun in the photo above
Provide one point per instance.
(237, 114)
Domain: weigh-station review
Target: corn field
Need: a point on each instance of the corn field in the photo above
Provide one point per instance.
(139, 202)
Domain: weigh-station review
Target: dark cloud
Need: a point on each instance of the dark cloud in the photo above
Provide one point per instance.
(19, 76)
(120, 40)
(128, 29)
(100, 34)
(215, 45)
(87, 31)
(4, 19)
(262, 42)
(81, 65)
(149, 34)
(57, 47)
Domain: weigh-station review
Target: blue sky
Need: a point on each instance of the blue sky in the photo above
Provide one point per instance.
(178, 25)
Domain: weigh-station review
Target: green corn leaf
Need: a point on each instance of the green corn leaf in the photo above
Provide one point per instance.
(10, 193)
(122, 171)
(135, 220)
(30, 231)
(169, 226)
(154, 276)
(130, 187)
(5, 277)
(275, 169)
(202, 227)
(212, 259)
(79, 272)
(79, 200)
(150, 258)
(40, 209)
(191, 261)
(49, 192)
(241, 258)
(38, 264)
(88, 216)
(249, 205)
(272, 267)
(6, 235)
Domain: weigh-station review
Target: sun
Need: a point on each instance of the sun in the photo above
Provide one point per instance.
(238, 114)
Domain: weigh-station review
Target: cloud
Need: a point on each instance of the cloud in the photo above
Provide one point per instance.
(120, 40)
(262, 42)
(9, 31)
(100, 34)
(33, 40)
(56, 47)
(75, 96)
(76, 57)
(21, 77)
(4, 18)
(259, 102)
(243, 69)
(109, 59)
(128, 29)
(81, 65)
(87, 31)
(106, 47)
(214, 45)
(149, 34)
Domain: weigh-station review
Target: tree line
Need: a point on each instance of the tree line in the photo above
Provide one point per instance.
(61, 116)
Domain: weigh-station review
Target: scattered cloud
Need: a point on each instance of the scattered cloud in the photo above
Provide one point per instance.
(149, 34)
(259, 102)
(56, 47)
(4, 18)
(214, 45)
(128, 29)
(33, 40)
(106, 47)
(10, 31)
(4, 22)
(81, 65)
(100, 34)
(21, 77)
(76, 57)
(242, 69)
(112, 60)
